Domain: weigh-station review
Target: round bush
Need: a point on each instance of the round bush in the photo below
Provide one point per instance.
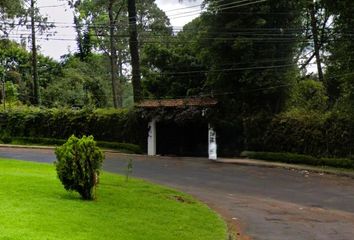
(78, 165)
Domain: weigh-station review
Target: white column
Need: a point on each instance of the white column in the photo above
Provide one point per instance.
(152, 138)
(212, 144)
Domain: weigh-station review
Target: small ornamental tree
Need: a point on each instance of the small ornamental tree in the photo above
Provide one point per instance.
(78, 165)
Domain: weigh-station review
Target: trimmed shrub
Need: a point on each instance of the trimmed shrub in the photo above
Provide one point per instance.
(78, 165)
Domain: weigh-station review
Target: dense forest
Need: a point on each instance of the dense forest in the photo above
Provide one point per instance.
(267, 62)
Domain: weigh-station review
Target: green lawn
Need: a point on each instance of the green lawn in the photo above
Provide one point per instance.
(34, 205)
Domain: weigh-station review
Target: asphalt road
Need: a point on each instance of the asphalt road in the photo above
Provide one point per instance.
(267, 203)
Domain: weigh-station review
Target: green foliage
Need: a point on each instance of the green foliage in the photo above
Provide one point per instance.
(78, 165)
(340, 53)
(164, 60)
(105, 125)
(309, 95)
(244, 58)
(17, 69)
(79, 84)
(301, 159)
(152, 22)
(69, 83)
(307, 132)
(10, 8)
(5, 137)
(254, 128)
(11, 91)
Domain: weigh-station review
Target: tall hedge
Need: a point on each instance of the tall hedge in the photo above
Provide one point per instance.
(104, 125)
(328, 134)
(313, 133)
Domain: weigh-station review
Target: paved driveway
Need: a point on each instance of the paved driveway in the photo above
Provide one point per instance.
(268, 203)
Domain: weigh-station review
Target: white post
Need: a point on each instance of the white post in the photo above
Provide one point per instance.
(152, 138)
(212, 144)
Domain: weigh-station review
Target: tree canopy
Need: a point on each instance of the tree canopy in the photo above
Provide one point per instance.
(252, 57)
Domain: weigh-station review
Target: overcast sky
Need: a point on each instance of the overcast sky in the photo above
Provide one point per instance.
(58, 12)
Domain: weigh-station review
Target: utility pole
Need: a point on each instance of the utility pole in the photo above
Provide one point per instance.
(317, 47)
(134, 51)
(36, 99)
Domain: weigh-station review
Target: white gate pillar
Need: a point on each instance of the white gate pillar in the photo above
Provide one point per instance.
(212, 144)
(152, 137)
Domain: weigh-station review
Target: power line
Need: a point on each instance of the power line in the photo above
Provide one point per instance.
(232, 3)
(151, 39)
(198, 12)
(52, 6)
(222, 5)
(242, 5)
(71, 24)
(220, 8)
(146, 40)
(226, 70)
(184, 8)
(54, 39)
(189, 7)
(237, 31)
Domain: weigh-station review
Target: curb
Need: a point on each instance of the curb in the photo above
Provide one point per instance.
(28, 147)
(103, 149)
(262, 163)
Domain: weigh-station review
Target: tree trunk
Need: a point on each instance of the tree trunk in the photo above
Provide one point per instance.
(316, 41)
(120, 76)
(116, 86)
(36, 98)
(134, 51)
(79, 37)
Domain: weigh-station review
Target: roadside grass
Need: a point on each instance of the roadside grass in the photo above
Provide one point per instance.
(34, 205)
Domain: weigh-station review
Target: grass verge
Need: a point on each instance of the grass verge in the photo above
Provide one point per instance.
(34, 205)
(343, 163)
